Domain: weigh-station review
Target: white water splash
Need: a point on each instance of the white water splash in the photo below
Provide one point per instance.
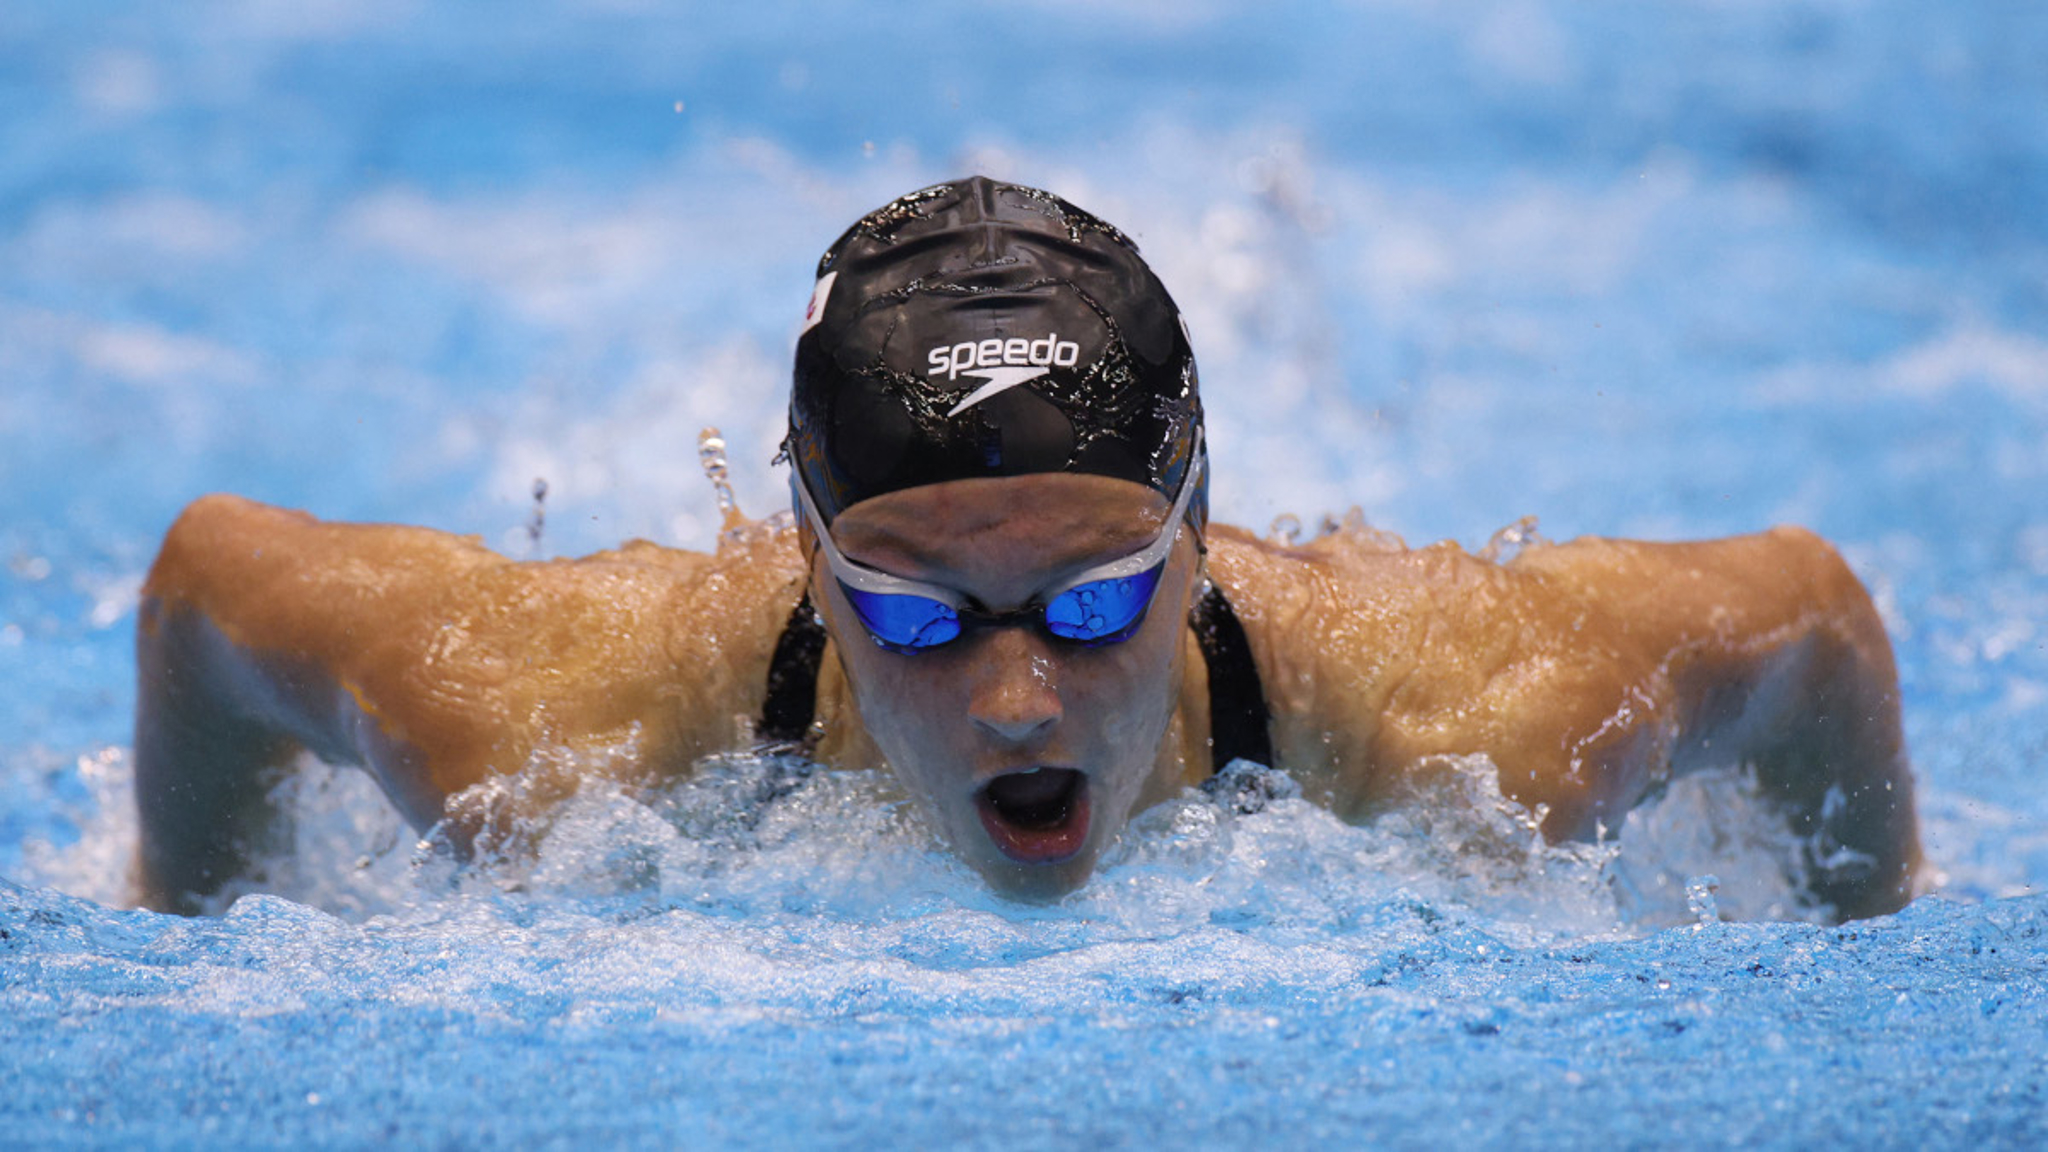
(752, 832)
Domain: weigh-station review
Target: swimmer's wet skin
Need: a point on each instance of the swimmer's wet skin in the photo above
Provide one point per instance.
(1004, 589)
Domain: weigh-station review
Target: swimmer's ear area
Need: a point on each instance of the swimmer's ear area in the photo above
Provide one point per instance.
(1197, 514)
(807, 527)
(806, 540)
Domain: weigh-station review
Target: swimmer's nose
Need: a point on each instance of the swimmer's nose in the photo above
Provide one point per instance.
(1015, 696)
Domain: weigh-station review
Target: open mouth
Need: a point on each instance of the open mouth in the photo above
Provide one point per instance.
(1036, 817)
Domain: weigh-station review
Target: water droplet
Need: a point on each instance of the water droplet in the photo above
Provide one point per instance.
(1701, 898)
(711, 454)
(1509, 542)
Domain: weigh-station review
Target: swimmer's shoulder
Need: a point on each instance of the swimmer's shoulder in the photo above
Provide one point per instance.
(1356, 615)
(1356, 560)
(279, 574)
(465, 656)
(278, 577)
(1346, 566)
(1360, 606)
(222, 535)
(1787, 549)
(1361, 641)
(1375, 654)
(1782, 576)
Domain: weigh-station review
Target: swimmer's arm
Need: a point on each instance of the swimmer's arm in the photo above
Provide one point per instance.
(248, 618)
(1588, 673)
(1761, 650)
(421, 655)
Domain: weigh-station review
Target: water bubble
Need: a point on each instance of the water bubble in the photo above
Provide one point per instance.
(1509, 542)
(1246, 786)
(1713, 822)
(1702, 899)
(711, 455)
(734, 526)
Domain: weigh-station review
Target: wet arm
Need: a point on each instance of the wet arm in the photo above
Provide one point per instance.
(1589, 673)
(1762, 650)
(428, 659)
(246, 619)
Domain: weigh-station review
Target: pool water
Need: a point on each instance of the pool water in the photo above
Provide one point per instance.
(1671, 272)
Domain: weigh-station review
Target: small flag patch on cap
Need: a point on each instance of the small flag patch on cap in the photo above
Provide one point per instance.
(819, 295)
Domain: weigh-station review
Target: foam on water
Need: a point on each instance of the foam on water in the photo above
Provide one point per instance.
(687, 951)
(755, 833)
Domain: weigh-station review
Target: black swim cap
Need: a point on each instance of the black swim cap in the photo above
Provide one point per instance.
(978, 329)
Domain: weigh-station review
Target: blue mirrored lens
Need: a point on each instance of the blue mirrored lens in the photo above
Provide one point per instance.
(1102, 611)
(904, 622)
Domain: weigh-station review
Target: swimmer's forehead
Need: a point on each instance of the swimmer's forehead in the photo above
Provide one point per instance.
(1049, 520)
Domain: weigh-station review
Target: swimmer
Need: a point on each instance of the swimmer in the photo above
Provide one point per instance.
(1002, 587)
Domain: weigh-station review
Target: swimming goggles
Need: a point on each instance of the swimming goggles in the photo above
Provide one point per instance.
(1102, 605)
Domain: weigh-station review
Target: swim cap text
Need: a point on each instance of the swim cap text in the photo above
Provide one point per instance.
(1044, 352)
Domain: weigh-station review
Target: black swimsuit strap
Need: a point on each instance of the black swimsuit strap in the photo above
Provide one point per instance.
(1239, 722)
(792, 701)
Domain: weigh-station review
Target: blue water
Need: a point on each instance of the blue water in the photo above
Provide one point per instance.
(1670, 271)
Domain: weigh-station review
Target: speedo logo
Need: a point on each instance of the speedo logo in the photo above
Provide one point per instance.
(967, 356)
(1003, 364)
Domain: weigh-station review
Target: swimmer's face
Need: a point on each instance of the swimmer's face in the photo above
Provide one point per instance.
(1030, 752)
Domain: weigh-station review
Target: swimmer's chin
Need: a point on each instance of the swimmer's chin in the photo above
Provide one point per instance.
(1036, 883)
